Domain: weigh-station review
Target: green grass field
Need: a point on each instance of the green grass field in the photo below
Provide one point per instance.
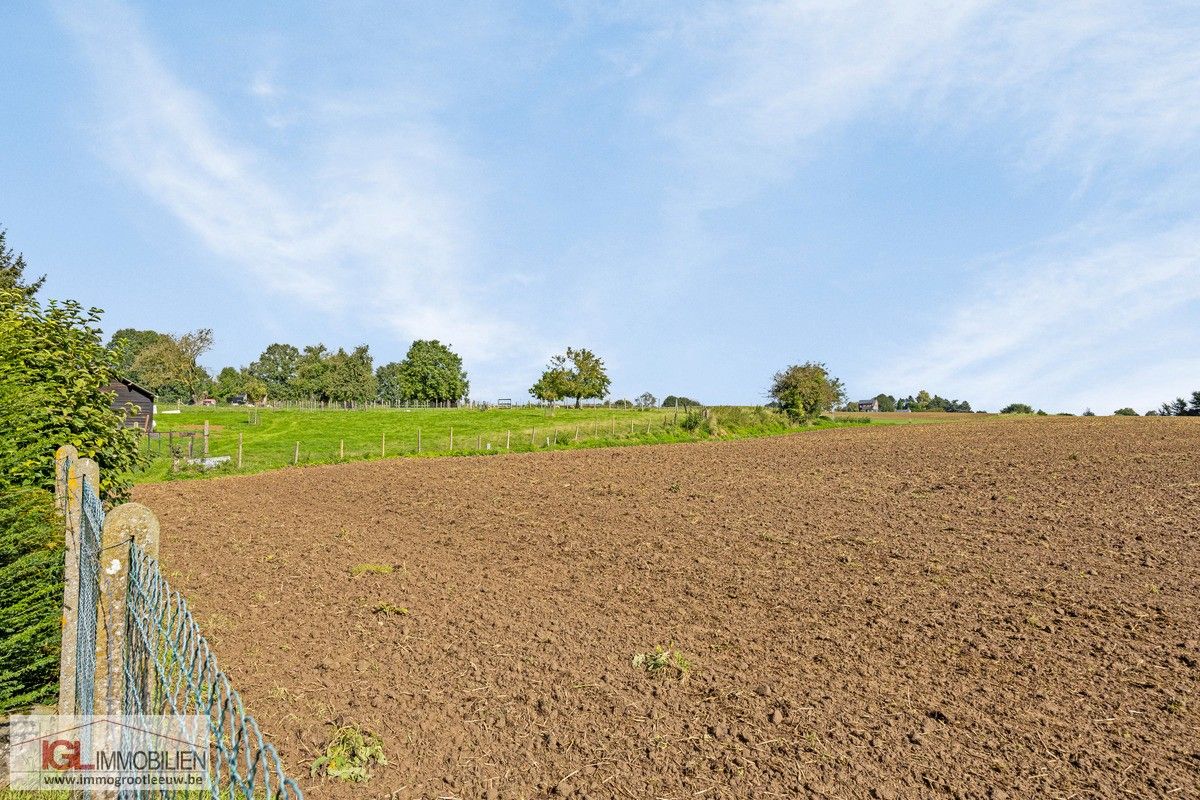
(271, 438)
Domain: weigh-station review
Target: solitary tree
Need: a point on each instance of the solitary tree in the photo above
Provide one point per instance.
(432, 372)
(646, 400)
(807, 390)
(1125, 412)
(588, 378)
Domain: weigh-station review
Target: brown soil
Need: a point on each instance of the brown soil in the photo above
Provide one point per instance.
(991, 609)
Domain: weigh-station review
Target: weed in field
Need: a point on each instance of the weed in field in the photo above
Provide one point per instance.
(350, 755)
(390, 608)
(663, 660)
(370, 569)
(1177, 707)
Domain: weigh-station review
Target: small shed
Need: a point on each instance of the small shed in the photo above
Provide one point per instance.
(135, 402)
(869, 405)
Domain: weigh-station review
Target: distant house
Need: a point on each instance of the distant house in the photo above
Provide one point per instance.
(868, 405)
(128, 394)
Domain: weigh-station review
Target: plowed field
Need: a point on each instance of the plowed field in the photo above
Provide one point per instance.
(984, 610)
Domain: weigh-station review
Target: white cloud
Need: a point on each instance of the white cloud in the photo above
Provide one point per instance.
(1085, 320)
(377, 232)
(1101, 93)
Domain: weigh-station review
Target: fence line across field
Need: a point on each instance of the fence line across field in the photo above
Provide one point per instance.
(207, 449)
(130, 645)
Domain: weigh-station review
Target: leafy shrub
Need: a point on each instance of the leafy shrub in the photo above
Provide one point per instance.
(350, 755)
(692, 421)
(1017, 408)
(1125, 412)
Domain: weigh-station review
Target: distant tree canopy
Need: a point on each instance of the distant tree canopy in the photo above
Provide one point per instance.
(886, 402)
(12, 270)
(646, 400)
(670, 401)
(126, 344)
(577, 373)
(1125, 412)
(432, 373)
(807, 390)
(276, 369)
(1179, 407)
(1017, 408)
(171, 365)
(926, 402)
(233, 382)
(349, 377)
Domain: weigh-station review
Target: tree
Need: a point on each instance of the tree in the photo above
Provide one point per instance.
(229, 382)
(670, 401)
(389, 379)
(12, 270)
(589, 379)
(349, 377)
(554, 383)
(1181, 407)
(646, 400)
(1125, 412)
(175, 360)
(126, 344)
(432, 373)
(276, 368)
(806, 390)
(886, 402)
(1087, 412)
(54, 377)
(1017, 408)
(309, 382)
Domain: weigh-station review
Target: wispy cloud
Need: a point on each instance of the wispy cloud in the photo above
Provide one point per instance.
(375, 229)
(1101, 94)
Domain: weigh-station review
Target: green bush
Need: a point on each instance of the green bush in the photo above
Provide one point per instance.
(54, 372)
(31, 568)
(1017, 408)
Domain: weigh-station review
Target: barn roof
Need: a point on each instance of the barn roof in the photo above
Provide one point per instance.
(136, 387)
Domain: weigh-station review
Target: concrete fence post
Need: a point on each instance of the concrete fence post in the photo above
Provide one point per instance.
(239, 450)
(130, 522)
(206, 438)
(68, 497)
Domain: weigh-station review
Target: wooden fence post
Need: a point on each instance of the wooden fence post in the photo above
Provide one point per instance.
(383, 445)
(452, 440)
(418, 440)
(508, 440)
(129, 522)
(68, 498)
(206, 438)
(341, 450)
(296, 455)
(239, 449)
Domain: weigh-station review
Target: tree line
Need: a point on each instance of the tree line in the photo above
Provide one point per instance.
(168, 365)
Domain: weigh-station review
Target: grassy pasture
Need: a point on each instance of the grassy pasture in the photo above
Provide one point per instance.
(270, 436)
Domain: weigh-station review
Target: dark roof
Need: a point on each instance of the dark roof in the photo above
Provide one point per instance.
(868, 402)
(136, 387)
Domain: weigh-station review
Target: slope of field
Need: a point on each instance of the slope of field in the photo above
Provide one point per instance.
(272, 438)
(981, 610)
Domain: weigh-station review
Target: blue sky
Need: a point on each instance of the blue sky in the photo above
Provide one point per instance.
(995, 201)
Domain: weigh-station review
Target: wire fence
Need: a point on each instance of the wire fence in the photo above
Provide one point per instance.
(249, 449)
(167, 666)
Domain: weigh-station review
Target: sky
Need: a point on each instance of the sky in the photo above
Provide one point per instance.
(992, 201)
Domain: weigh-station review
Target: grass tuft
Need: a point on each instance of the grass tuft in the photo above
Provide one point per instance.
(663, 660)
(350, 755)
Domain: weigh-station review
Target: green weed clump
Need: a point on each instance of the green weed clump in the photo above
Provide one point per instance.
(350, 755)
(662, 661)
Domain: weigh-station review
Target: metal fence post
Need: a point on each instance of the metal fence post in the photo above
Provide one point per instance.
(127, 523)
(68, 497)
